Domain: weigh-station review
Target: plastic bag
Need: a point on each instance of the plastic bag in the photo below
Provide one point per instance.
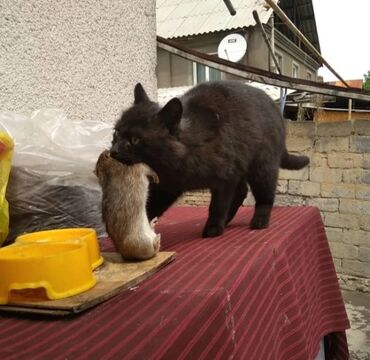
(6, 151)
(52, 184)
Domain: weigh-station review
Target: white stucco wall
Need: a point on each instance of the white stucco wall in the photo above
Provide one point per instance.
(81, 56)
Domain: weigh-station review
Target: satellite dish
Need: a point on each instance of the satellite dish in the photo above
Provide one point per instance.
(232, 47)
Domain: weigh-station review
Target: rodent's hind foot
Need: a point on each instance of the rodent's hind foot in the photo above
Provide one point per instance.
(157, 243)
(153, 222)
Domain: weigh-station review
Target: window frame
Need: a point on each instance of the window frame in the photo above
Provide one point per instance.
(278, 56)
(295, 65)
(195, 74)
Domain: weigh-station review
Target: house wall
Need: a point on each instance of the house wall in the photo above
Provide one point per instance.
(163, 68)
(81, 56)
(175, 71)
(181, 71)
(257, 52)
(287, 64)
(257, 56)
(338, 183)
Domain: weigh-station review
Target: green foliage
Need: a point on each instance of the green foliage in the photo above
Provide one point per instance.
(367, 81)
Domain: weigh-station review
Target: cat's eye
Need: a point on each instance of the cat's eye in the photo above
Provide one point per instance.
(134, 140)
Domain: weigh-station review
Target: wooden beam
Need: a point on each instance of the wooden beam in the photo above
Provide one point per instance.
(280, 13)
(259, 75)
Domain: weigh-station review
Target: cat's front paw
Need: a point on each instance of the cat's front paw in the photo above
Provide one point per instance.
(212, 231)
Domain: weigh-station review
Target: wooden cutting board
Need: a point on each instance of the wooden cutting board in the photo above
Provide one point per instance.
(113, 277)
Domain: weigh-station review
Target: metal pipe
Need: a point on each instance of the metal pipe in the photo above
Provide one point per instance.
(273, 39)
(305, 41)
(230, 7)
(258, 21)
(283, 91)
(350, 109)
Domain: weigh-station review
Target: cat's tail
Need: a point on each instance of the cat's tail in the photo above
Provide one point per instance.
(293, 162)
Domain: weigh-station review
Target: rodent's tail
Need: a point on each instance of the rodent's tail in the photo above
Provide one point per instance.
(293, 162)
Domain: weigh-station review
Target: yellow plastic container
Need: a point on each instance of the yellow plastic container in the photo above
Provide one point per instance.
(62, 269)
(86, 235)
(6, 153)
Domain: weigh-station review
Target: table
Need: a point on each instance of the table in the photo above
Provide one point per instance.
(249, 294)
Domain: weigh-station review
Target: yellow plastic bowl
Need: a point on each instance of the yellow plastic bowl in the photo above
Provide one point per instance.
(86, 235)
(62, 269)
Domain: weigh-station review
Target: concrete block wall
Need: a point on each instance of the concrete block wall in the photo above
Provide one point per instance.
(338, 183)
(83, 57)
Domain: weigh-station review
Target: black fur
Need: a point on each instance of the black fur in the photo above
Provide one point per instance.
(217, 136)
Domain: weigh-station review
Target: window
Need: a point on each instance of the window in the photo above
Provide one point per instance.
(279, 59)
(309, 75)
(202, 73)
(295, 70)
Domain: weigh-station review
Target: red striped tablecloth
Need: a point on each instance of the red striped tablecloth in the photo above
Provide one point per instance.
(267, 294)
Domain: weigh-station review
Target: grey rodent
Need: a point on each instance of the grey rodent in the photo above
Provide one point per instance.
(125, 193)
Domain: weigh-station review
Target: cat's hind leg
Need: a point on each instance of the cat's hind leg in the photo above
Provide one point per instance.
(240, 194)
(263, 182)
(221, 199)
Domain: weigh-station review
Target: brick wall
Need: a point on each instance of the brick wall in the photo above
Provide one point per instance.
(338, 183)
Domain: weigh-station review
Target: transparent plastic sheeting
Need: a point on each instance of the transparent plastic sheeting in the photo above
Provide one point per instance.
(52, 184)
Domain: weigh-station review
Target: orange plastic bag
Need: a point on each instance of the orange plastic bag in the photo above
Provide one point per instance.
(6, 153)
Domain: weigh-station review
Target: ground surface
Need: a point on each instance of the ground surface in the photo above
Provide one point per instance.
(358, 310)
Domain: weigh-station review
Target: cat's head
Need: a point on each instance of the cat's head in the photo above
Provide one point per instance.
(145, 132)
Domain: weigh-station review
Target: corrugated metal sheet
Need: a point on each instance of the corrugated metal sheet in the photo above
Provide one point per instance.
(177, 18)
(301, 12)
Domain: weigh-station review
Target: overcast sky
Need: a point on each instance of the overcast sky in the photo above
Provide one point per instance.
(344, 34)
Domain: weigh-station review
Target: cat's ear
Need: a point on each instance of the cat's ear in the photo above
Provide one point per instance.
(171, 114)
(140, 94)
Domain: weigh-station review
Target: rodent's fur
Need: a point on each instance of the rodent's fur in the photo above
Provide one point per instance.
(125, 193)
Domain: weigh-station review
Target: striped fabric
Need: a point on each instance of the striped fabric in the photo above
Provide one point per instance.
(267, 294)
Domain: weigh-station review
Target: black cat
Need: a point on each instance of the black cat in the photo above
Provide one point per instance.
(218, 136)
